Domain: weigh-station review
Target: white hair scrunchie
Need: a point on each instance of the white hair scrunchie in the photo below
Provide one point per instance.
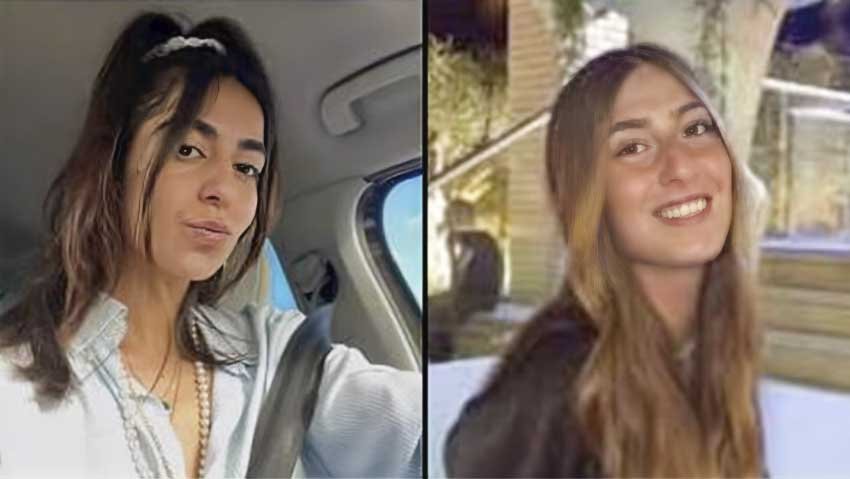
(179, 42)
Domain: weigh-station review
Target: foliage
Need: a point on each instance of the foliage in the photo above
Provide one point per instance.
(467, 106)
(467, 100)
(569, 17)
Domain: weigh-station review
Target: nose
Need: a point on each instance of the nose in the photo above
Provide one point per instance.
(678, 164)
(217, 187)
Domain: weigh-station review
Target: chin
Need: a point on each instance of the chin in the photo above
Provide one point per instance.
(694, 257)
(204, 274)
(195, 272)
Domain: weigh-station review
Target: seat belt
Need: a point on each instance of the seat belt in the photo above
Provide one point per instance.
(289, 404)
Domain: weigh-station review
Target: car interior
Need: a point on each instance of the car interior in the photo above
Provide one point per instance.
(347, 75)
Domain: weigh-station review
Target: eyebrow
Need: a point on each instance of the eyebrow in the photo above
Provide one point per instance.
(248, 144)
(642, 122)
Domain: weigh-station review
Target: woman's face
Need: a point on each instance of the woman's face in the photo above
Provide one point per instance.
(205, 196)
(668, 174)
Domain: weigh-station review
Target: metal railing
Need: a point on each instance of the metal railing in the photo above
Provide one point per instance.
(540, 118)
(489, 149)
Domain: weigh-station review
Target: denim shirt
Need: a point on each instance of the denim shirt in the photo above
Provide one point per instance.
(367, 422)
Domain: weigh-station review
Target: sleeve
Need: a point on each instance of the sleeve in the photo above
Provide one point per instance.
(367, 421)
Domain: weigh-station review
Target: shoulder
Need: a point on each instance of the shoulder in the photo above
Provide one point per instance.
(255, 319)
(553, 344)
(255, 330)
(31, 426)
(273, 327)
(522, 422)
(26, 419)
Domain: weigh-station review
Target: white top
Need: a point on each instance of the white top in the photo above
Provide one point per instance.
(367, 422)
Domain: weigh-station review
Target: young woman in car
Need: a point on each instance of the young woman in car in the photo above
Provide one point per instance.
(116, 361)
(646, 364)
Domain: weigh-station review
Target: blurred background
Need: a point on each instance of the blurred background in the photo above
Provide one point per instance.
(779, 73)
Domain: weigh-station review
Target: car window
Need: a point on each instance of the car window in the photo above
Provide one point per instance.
(281, 292)
(402, 220)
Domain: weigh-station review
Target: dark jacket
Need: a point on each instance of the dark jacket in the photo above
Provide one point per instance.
(522, 423)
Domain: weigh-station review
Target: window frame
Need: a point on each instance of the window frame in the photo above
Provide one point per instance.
(379, 256)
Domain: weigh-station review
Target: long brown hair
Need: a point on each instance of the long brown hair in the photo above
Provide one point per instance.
(84, 205)
(637, 411)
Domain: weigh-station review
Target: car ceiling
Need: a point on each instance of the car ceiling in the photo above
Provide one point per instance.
(50, 53)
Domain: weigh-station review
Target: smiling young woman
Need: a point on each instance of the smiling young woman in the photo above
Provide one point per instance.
(117, 361)
(646, 365)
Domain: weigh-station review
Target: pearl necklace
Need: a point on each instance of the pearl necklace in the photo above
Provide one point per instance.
(202, 381)
(133, 427)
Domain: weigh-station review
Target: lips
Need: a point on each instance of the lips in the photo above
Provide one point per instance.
(212, 226)
(207, 233)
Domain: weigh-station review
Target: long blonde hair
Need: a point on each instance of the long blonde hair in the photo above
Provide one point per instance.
(638, 413)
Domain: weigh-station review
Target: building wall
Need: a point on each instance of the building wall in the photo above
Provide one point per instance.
(534, 75)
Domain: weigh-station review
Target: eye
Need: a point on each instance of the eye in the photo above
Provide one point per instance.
(247, 169)
(184, 152)
(632, 149)
(700, 128)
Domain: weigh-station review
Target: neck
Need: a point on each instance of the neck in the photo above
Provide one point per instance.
(674, 292)
(153, 301)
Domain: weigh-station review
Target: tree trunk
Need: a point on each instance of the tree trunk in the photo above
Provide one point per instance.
(747, 42)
